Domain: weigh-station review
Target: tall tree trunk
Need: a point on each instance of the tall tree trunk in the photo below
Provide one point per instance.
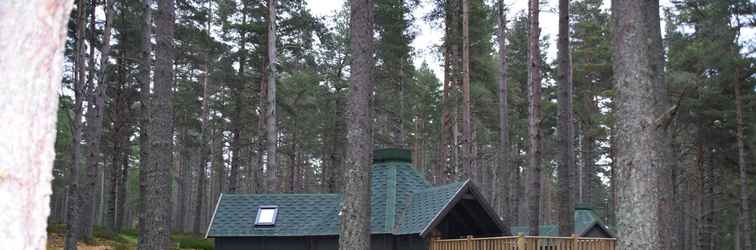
(270, 111)
(355, 212)
(87, 212)
(566, 129)
(467, 140)
(145, 119)
(94, 129)
(745, 219)
(204, 149)
(505, 167)
(155, 214)
(642, 142)
(31, 74)
(236, 123)
(534, 119)
(145, 69)
(73, 210)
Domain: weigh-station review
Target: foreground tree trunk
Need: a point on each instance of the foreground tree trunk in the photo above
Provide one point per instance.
(642, 142)
(506, 168)
(154, 219)
(534, 119)
(31, 52)
(566, 129)
(355, 213)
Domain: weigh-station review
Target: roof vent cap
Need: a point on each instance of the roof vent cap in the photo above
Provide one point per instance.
(392, 155)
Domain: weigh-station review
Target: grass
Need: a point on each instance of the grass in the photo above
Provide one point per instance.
(128, 239)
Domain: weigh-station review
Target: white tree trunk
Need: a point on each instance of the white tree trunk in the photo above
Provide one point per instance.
(31, 58)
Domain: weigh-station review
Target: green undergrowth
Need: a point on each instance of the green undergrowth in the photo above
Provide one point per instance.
(128, 239)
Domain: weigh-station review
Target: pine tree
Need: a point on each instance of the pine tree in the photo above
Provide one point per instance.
(355, 212)
(154, 219)
(535, 135)
(505, 168)
(641, 139)
(566, 126)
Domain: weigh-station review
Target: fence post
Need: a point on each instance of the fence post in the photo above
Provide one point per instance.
(520, 242)
(574, 242)
(469, 242)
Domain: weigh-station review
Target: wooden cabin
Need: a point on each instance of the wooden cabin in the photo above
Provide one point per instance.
(406, 212)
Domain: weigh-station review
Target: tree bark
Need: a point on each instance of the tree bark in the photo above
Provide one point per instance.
(566, 128)
(505, 167)
(155, 214)
(467, 140)
(145, 119)
(745, 218)
(534, 119)
(31, 53)
(355, 212)
(270, 111)
(200, 213)
(642, 144)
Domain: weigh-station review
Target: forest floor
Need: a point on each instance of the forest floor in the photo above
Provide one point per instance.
(126, 240)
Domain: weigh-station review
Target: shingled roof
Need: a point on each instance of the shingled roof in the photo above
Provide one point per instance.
(402, 203)
(585, 219)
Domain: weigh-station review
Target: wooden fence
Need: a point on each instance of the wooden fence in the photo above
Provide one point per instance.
(524, 243)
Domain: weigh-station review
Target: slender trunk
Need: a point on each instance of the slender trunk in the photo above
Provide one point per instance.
(745, 218)
(122, 195)
(155, 216)
(467, 147)
(73, 210)
(88, 178)
(566, 129)
(355, 212)
(204, 149)
(183, 171)
(270, 111)
(505, 168)
(534, 119)
(145, 95)
(33, 37)
(642, 142)
(94, 130)
(145, 119)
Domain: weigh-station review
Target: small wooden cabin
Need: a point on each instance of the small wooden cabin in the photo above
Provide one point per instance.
(587, 224)
(406, 212)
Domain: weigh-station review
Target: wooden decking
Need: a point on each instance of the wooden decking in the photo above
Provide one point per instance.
(524, 243)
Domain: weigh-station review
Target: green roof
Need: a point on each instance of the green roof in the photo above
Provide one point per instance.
(402, 202)
(585, 219)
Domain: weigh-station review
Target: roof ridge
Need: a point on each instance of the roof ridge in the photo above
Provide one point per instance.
(282, 194)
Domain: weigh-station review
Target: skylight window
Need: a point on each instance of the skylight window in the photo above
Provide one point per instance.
(266, 215)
